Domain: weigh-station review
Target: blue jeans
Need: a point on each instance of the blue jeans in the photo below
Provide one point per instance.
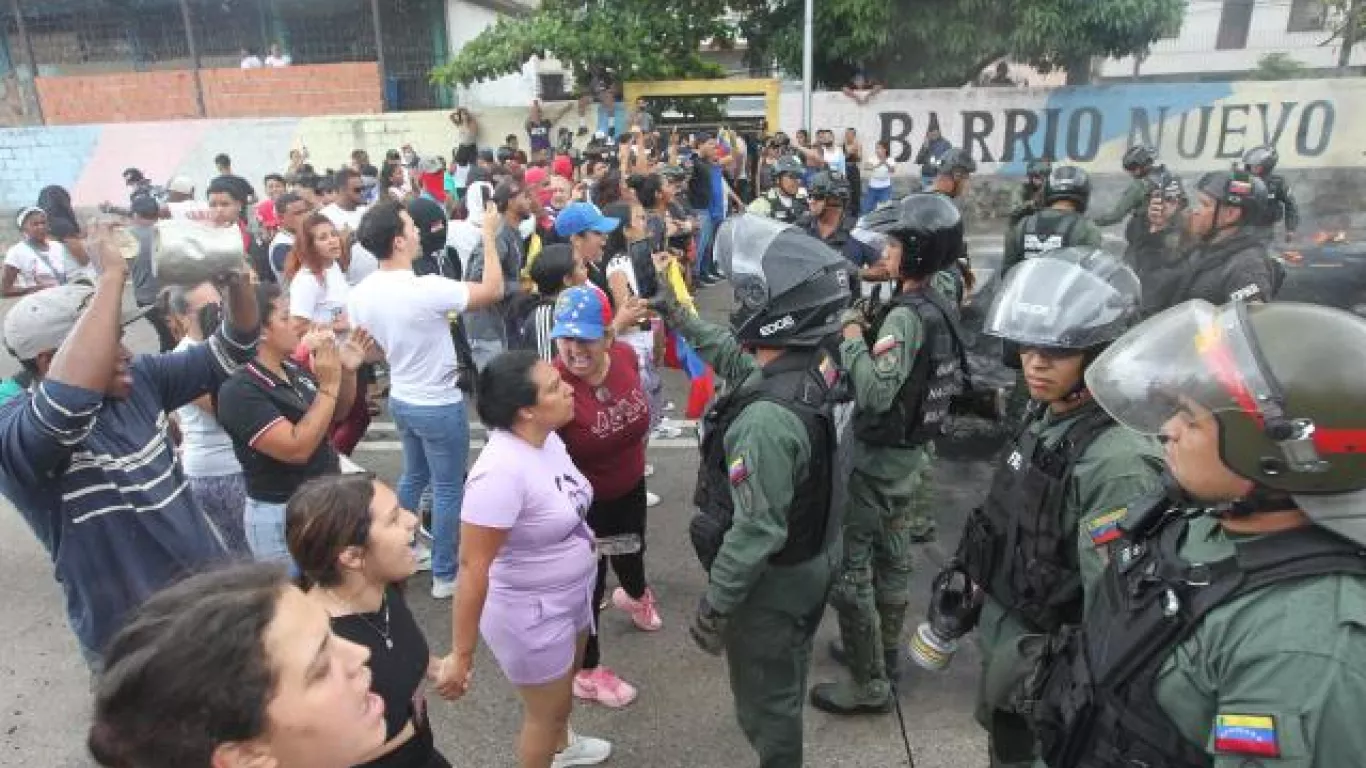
(436, 445)
(875, 196)
(705, 231)
(264, 524)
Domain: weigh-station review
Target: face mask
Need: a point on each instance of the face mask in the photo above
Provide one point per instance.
(526, 228)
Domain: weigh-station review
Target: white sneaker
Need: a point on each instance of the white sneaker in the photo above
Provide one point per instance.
(424, 557)
(649, 470)
(582, 750)
(651, 499)
(442, 589)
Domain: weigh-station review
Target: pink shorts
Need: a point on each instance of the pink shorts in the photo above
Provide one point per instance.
(534, 635)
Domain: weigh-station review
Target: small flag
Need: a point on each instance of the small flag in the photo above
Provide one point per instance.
(1246, 735)
(738, 471)
(1105, 529)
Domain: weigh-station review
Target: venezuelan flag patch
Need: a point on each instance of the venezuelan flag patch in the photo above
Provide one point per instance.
(739, 471)
(1105, 529)
(1246, 735)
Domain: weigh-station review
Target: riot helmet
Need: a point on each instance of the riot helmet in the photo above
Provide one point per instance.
(928, 226)
(1234, 189)
(789, 287)
(954, 160)
(828, 185)
(1139, 157)
(1068, 182)
(1264, 158)
(1077, 299)
(1283, 381)
(788, 165)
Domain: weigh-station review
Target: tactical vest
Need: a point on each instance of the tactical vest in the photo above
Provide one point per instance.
(920, 408)
(1097, 706)
(796, 382)
(1274, 211)
(1042, 234)
(1015, 545)
(786, 212)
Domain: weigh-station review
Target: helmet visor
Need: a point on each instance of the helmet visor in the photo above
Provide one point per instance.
(741, 243)
(1058, 302)
(1190, 359)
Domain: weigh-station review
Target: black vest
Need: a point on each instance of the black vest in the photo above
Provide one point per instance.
(1097, 706)
(794, 381)
(919, 410)
(1041, 234)
(1015, 545)
(786, 212)
(1274, 210)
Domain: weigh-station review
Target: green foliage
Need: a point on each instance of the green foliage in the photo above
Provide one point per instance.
(1278, 66)
(945, 43)
(618, 40)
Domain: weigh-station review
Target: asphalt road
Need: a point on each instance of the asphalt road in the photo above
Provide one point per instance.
(683, 716)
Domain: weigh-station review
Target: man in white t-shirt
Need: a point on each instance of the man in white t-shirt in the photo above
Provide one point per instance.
(345, 214)
(180, 202)
(408, 316)
(35, 262)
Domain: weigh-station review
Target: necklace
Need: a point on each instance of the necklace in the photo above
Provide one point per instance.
(384, 608)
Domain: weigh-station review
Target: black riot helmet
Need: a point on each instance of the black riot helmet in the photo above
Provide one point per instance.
(1068, 182)
(1077, 299)
(789, 287)
(929, 227)
(788, 165)
(829, 184)
(1139, 156)
(956, 159)
(1264, 158)
(1235, 189)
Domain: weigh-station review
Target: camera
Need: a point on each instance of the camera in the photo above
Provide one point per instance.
(955, 605)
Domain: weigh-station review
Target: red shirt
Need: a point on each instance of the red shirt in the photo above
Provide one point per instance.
(606, 439)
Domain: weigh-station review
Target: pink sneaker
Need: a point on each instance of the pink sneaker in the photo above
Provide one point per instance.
(642, 611)
(603, 686)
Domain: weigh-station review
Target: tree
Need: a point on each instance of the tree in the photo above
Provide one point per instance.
(1278, 66)
(946, 43)
(600, 41)
(1347, 23)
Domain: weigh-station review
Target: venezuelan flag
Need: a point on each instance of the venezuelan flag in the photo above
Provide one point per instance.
(1246, 735)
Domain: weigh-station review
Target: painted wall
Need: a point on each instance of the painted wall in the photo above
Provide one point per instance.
(1195, 126)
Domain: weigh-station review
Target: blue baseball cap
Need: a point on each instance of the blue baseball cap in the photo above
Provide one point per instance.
(577, 218)
(581, 312)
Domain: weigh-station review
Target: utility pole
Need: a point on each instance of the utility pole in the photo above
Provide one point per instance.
(194, 57)
(807, 26)
(32, 60)
(1349, 37)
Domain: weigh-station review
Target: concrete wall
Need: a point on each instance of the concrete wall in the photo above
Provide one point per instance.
(465, 19)
(349, 88)
(1194, 49)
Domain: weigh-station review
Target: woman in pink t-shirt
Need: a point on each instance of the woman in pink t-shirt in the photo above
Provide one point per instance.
(606, 439)
(527, 562)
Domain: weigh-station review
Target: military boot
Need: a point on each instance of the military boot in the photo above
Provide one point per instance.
(891, 658)
(868, 691)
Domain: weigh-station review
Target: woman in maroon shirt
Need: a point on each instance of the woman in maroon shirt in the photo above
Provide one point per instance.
(606, 440)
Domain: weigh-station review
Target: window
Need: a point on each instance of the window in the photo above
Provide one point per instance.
(1234, 22)
(1307, 16)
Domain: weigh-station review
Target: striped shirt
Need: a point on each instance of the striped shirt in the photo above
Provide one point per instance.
(99, 482)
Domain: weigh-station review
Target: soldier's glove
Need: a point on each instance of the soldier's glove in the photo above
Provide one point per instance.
(708, 628)
(955, 603)
(667, 305)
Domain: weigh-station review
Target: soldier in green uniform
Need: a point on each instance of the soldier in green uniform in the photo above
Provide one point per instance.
(829, 220)
(1068, 463)
(1140, 162)
(1228, 628)
(786, 201)
(1061, 224)
(904, 372)
(771, 475)
(1029, 197)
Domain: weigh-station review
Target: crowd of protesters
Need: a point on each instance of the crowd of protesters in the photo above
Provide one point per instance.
(519, 279)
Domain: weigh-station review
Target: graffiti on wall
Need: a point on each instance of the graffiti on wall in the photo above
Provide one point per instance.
(1195, 126)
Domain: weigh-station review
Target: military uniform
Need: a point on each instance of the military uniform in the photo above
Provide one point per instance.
(842, 240)
(902, 383)
(1235, 268)
(1057, 492)
(1048, 230)
(1280, 206)
(772, 572)
(1266, 674)
(775, 205)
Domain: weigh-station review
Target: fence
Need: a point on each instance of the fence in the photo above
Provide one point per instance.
(80, 38)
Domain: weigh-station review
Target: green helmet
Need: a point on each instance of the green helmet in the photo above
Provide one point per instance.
(829, 184)
(1283, 381)
(788, 165)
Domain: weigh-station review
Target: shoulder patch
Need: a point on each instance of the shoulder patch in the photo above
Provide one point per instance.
(1246, 735)
(1105, 529)
(739, 471)
(1245, 293)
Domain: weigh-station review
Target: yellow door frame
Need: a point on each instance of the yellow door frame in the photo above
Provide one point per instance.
(766, 87)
